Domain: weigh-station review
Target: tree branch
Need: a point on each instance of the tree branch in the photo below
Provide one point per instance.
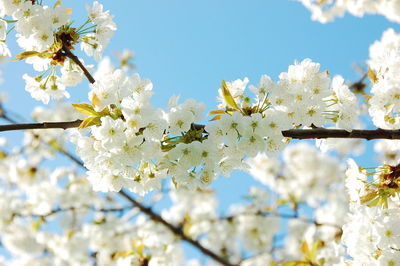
(76, 60)
(43, 125)
(314, 133)
(59, 210)
(175, 230)
(323, 133)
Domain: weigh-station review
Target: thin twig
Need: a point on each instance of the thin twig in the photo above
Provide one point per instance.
(76, 60)
(175, 229)
(4, 115)
(276, 214)
(70, 156)
(59, 210)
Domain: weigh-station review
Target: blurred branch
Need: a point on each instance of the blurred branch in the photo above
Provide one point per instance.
(279, 215)
(175, 229)
(146, 210)
(58, 210)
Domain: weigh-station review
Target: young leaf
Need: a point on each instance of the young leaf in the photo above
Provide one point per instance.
(90, 121)
(213, 112)
(57, 3)
(85, 109)
(95, 100)
(25, 54)
(372, 76)
(217, 117)
(304, 248)
(104, 112)
(228, 96)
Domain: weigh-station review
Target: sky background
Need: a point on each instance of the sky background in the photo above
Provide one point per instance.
(187, 47)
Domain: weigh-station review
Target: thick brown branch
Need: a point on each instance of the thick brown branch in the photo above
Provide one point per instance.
(323, 133)
(314, 133)
(76, 60)
(175, 229)
(43, 125)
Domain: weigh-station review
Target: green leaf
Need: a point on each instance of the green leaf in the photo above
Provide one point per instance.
(90, 121)
(85, 109)
(25, 54)
(228, 96)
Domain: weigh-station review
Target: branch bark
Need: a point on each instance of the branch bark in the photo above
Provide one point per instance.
(43, 125)
(76, 60)
(323, 133)
(314, 133)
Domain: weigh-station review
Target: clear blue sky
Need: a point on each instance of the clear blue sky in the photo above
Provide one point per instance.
(187, 47)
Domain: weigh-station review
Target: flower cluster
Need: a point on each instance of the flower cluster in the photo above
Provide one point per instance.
(134, 145)
(55, 218)
(127, 143)
(325, 11)
(307, 176)
(384, 72)
(372, 236)
(46, 34)
(92, 229)
(292, 179)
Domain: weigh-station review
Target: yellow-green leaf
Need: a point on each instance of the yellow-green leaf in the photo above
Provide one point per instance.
(35, 225)
(122, 254)
(228, 96)
(215, 118)
(104, 112)
(313, 253)
(85, 109)
(369, 196)
(95, 100)
(71, 233)
(281, 202)
(372, 76)
(213, 112)
(90, 121)
(25, 54)
(304, 248)
(57, 3)
(45, 54)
